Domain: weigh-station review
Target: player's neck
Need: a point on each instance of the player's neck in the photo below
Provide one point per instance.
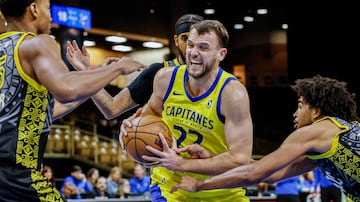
(14, 25)
(180, 59)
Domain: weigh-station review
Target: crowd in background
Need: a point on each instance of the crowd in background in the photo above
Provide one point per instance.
(81, 185)
(308, 187)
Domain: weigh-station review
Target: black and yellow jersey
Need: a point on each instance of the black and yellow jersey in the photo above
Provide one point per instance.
(26, 109)
(341, 164)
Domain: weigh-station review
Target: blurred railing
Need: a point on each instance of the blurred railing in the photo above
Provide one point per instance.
(66, 141)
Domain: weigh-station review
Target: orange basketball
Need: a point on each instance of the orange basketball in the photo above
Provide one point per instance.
(145, 131)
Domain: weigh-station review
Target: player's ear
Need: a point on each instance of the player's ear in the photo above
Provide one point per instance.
(221, 54)
(315, 113)
(176, 40)
(34, 10)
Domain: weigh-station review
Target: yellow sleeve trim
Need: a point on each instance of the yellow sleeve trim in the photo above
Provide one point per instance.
(23, 75)
(335, 141)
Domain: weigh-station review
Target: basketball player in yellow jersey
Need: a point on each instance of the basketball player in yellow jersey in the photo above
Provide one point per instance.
(202, 105)
(138, 92)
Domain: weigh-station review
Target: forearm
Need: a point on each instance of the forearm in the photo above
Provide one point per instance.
(112, 107)
(237, 177)
(76, 86)
(300, 166)
(214, 165)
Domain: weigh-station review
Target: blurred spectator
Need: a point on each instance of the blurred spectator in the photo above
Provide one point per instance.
(47, 172)
(124, 188)
(306, 183)
(265, 189)
(99, 191)
(140, 183)
(115, 183)
(78, 180)
(69, 191)
(287, 190)
(92, 175)
(328, 191)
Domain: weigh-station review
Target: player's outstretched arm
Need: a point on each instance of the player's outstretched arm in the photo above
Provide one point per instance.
(273, 167)
(112, 107)
(65, 85)
(109, 106)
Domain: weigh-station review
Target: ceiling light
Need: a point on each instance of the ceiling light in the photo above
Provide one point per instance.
(261, 11)
(248, 19)
(122, 48)
(153, 44)
(238, 26)
(88, 43)
(116, 39)
(209, 11)
(285, 26)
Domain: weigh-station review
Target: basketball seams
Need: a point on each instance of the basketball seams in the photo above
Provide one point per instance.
(147, 124)
(145, 131)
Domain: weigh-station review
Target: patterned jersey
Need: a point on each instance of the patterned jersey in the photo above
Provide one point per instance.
(341, 164)
(195, 120)
(26, 109)
(172, 63)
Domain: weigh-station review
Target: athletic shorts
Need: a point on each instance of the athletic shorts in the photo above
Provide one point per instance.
(21, 184)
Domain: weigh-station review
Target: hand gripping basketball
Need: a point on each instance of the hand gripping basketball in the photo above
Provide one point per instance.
(145, 131)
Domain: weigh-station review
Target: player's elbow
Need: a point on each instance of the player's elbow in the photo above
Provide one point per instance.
(110, 111)
(109, 115)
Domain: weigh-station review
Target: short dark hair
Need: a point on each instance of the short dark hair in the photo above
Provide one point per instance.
(329, 95)
(184, 22)
(76, 168)
(14, 8)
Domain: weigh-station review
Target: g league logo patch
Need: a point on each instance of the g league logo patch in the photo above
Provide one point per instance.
(209, 104)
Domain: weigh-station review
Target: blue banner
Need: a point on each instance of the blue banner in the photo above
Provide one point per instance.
(71, 17)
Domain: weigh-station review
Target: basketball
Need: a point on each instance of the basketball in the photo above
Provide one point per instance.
(145, 131)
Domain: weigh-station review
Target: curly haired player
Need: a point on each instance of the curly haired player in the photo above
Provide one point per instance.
(327, 136)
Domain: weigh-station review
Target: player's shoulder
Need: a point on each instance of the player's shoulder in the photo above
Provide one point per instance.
(38, 43)
(234, 89)
(166, 72)
(39, 39)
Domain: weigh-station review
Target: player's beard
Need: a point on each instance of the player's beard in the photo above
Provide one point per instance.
(198, 73)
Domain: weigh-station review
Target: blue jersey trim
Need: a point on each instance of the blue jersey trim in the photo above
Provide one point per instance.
(194, 99)
(218, 104)
(171, 83)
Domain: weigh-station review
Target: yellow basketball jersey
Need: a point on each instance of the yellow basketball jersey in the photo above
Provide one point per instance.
(195, 120)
